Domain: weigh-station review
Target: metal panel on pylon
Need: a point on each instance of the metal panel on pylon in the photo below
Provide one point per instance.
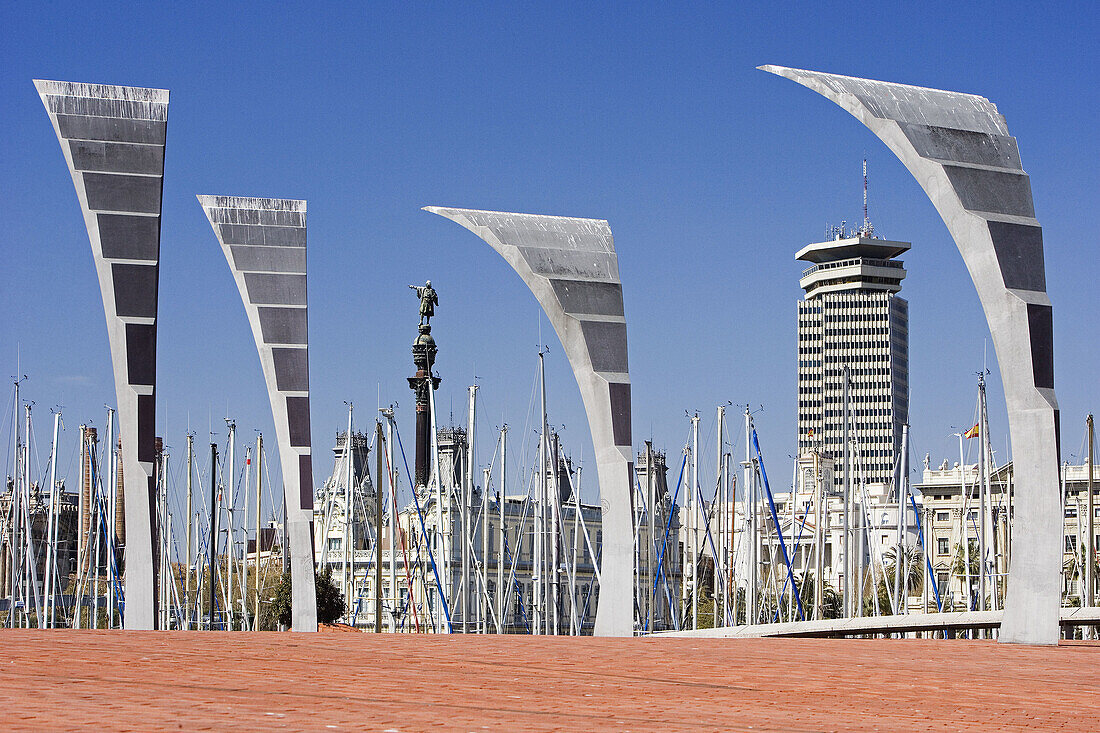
(264, 243)
(113, 141)
(959, 149)
(571, 267)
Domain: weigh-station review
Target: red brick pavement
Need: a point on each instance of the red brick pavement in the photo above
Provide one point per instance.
(267, 681)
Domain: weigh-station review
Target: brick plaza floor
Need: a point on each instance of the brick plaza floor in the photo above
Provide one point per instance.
(60, 680)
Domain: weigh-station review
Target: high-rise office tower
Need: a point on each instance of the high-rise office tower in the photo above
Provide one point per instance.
(852, 316)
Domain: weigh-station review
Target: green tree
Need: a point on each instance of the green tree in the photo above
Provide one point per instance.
(330, 601)
(975, 560)
(830, 599)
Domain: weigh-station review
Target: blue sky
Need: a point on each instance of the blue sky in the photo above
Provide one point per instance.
(711, 174)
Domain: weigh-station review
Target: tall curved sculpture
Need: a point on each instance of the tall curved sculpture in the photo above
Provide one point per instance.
(571, 267)
(113, 141)
(264, 242)
(958, 148)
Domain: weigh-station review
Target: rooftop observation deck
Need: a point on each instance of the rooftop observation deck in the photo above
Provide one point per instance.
(851, 247)
(852, 263)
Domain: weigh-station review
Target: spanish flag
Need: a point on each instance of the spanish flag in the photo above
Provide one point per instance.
(972, 432)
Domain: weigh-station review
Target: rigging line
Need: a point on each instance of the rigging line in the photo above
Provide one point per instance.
(708, 516)
(592, 586)
(423, 528)
(419, 566)
(404, 550)
(664, 544)
(519, 541)
(523, 447)
(775, 518)
(9, 419)
(797, 543)
(584, 526)
(518, 589)
(927, 555)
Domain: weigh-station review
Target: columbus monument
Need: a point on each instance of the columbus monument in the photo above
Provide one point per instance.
(424, 381)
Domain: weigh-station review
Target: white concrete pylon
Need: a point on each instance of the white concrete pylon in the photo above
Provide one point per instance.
(959, 149)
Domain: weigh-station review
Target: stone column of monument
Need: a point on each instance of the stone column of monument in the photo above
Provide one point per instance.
(959, 149)
(424, 351)
(113, 141)
(571, 267)
(264, 242)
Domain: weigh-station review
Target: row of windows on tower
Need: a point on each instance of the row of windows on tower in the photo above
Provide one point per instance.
(854, 392)
(853, 358)
(859, 371)
(859, 454)
(881, 424)
(858, 331)
(838, 439)
(874, 412)
(861, 399)
(878, 314)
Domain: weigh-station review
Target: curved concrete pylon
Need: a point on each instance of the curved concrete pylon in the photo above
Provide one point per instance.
(571, 267)
(113, 141)
(264, 242)
(958, 148)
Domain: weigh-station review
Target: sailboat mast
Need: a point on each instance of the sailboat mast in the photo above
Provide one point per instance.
(346, 571)
(464, 510)
(983, 501)
(188, 601)
(964, 495)
(259, 501)
(821, 514)
(13, 509)
(555, 528)
(847, 544)
(540, 507)
(749, 502)
(720, 555)
(1090, 541)
(485, 599)
(211, 536)
(51, 538)
(107, 523)
(392, 511)
(695, 521)
(501, 499)
(648, 600)
(380, 471)
(231, 504)
(245, 484)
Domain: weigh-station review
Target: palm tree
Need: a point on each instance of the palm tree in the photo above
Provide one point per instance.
(914, 566)
(830, 599)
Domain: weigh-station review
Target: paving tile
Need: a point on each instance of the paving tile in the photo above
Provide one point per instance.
(268, 681)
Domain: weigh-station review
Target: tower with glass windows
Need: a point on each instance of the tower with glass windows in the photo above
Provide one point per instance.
(852, 316)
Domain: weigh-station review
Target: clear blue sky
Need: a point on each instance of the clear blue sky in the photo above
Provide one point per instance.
(712, 175)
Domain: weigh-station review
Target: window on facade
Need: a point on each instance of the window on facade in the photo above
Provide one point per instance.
(942, 546)
(943, 516)
(1071, 543)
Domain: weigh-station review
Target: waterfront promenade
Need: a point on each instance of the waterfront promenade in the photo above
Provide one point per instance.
(350, 681)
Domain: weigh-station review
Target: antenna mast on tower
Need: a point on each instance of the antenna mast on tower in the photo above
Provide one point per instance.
(868, 229)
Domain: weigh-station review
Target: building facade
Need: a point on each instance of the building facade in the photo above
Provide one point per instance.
(851, 316)
(446, 563)
(951, 505)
